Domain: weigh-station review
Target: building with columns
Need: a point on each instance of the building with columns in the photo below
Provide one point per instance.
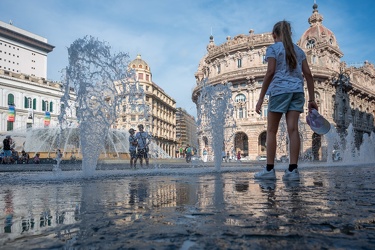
(156, 110)
(345, 94)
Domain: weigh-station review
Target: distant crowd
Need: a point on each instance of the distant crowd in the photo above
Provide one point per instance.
(8, 154)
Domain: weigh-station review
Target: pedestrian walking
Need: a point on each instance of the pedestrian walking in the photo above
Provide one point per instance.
(284, 84)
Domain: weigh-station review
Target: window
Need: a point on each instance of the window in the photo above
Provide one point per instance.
(240, 112)
(218, 69)
(45, 106)
(147, 77)
(10, 99)
(239, 63)
(310, 44)
(140, 76)
(240, 98)
(264, 59)
(28, 102)
(34, 104)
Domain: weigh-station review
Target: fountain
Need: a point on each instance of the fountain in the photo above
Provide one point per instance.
(215, 116)
(99, 79)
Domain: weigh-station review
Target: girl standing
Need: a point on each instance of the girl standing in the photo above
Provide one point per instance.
(284, 84)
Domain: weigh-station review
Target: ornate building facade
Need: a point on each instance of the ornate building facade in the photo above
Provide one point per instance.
(345, 94)
(158, 114)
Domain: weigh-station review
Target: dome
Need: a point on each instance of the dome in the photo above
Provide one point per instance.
(317, 34)
(139, 63)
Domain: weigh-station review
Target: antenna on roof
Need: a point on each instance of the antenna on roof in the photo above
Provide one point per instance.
(211, 31)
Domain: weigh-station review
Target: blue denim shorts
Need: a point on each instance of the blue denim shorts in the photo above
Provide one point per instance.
(286, 102)
(7, 153)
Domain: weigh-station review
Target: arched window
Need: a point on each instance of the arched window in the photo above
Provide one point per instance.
(10, 99)
(240, 98)
(310, 44)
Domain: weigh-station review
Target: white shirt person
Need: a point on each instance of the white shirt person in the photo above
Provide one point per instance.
(143, 140)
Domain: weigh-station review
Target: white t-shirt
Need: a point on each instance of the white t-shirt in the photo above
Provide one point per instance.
(284, 80)
(142, 139)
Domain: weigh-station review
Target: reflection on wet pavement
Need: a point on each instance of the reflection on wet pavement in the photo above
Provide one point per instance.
(331, 207)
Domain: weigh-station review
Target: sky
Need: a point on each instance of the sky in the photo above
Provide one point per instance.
(172, 35)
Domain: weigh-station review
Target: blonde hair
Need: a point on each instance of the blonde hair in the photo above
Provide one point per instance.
(282, 29)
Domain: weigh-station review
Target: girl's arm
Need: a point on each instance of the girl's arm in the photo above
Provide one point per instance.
(310, 85)
(271, 67)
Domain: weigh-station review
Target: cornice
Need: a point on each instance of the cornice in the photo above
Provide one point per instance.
(14, 36)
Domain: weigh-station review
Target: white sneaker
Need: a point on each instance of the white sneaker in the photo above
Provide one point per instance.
(265, 175)
(291, 176)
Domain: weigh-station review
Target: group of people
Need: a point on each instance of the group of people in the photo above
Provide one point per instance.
(11, 156)
(139, 146)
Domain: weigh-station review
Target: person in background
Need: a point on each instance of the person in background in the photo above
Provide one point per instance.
(239, 156)
(24, 157)
(58, 155)
(143, 140)
(132, 147)
(205, 155)
(7, 142)
(182, 155)
(37, 159)
(15, 157)
(223, 155)
(228, 156)
(284, 84)
(188, 153)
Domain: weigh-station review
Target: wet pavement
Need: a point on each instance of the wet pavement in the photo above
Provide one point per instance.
(189, 208)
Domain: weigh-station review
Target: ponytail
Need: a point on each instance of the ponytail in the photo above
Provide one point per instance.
(282, 29)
